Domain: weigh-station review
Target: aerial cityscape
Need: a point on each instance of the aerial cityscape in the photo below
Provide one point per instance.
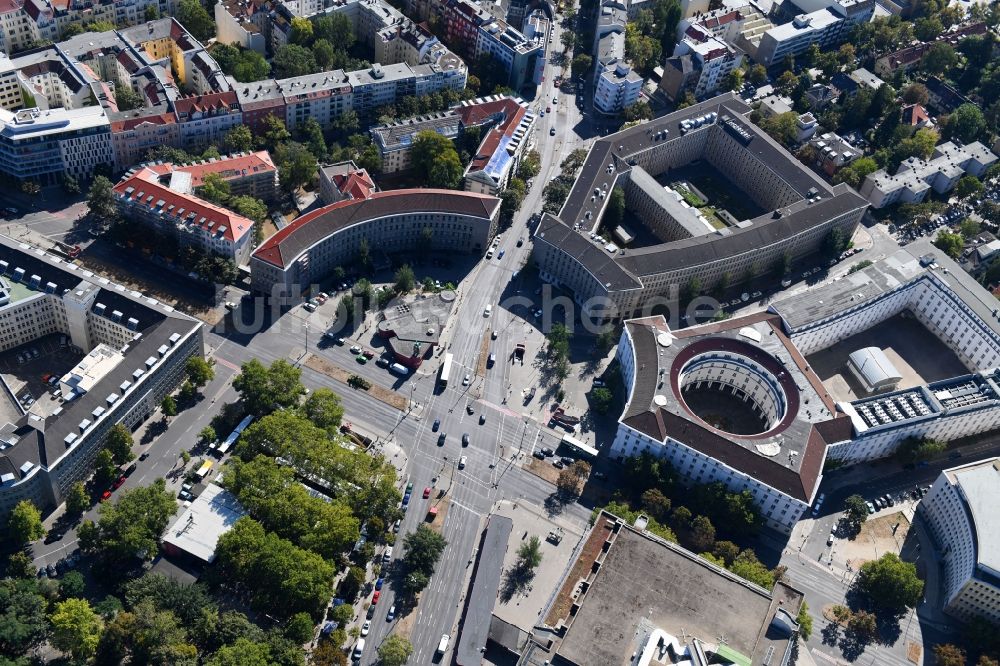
(512, 333)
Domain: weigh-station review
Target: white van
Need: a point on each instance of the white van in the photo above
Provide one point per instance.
(358, 649)
(443, 643)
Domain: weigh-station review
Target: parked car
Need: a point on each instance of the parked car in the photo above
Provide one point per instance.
(462, 461)
(427, 492)
(465, 439)
(379, 582)
(365, 628)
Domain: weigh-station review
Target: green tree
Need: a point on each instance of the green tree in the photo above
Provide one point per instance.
(783, 127)
(239, 140)
(863, 624)
(76, 628)
(199, 370)
(193, 16)
(969, 228)
(530, 165)
(127, 99)
(602, 399)
(747, 566)
(614, 214)
(968, 186)
(324, 409)
(702, 534)
(324, 53)
(293, 60)
(949, 243)
(264, 389)
(19, 565)
(119, 443)
(734, 80)
(805, 621)
(132, 526)
(23, 624)
(168, 406)
(946, 654)
(655, 503)
(581, 64)
(105, 468)
(312, 135)
(275, 133)
(302, 31)
(24, 524)
(299, 628)
(296, 165)
(336, 29)
(940, 57)
(395, 650)
(916, 93)
(854, 174)
(101, 199)
(285, 579)
(207, 435)
(77, 500)
(856, 509)
(405, 280)
(243, 652)
(72, 585)
(890, 582)
(214, 188)
(757, 74)
(727, 551)
(435, 157)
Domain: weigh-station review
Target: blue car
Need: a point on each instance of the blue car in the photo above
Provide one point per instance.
(378, 583)
(500, 254)
(406, 500)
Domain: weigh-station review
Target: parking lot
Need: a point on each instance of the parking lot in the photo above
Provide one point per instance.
(29, 369)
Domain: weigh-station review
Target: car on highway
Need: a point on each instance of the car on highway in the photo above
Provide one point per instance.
(436, 425)
(465, 439)
(462, 461)
(365, 628)
(427, 492)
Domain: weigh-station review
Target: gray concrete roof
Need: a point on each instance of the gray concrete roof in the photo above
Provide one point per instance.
(979, 484)
(645, 581)
(485, 585)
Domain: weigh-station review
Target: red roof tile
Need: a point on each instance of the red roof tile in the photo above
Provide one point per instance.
(208, 216)
(230, 167)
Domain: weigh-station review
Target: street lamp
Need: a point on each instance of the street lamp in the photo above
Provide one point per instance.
(413, 385)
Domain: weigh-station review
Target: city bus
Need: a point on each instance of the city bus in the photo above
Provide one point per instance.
(445, 372)
(234, 435)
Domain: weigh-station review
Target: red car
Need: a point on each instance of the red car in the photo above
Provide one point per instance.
(106, 495)
(375, 596)
(118, 484)
(427, 492)
(368, 354)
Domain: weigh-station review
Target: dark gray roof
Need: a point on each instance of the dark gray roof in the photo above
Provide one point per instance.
(43, 441)
(482, 598)
(609, 160)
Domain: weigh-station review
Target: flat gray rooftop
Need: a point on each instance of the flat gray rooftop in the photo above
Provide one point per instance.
(980, 486)
(476, 626)
(646, 579)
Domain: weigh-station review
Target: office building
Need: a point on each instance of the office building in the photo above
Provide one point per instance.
(132, 352)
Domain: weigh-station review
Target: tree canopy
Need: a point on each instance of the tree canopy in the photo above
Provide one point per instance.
(434, 158)
(264, 389)
(132, 526)
(891, 583)
(24, 524)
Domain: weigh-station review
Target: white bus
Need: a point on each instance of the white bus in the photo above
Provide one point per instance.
(234, 435)
(445, 372)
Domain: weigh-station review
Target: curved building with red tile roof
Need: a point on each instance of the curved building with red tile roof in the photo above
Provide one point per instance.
(306, 251)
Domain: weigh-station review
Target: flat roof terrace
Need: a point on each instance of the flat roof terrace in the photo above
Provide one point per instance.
(645, 580)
